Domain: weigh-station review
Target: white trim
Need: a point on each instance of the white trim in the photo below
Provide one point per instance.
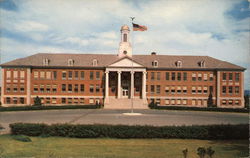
(126, 69)
(66, 96)
(14, 95)
(180, 97)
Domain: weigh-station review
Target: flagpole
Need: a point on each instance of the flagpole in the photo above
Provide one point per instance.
(132, 97)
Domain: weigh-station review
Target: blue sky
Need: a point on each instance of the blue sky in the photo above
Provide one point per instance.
(195, 27)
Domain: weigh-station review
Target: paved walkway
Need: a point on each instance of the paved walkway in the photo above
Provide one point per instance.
(103, 116)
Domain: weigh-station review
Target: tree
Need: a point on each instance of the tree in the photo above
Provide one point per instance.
(185, 152)
(201, 151)
(210, 152)
(210, 100)
(37, 101)
(246, 98)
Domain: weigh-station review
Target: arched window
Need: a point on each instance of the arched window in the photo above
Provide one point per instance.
(70, 62)
(94, 62)
(178, 63)
(202, 63)
(46, 62)
(155, 63)
(125, 37)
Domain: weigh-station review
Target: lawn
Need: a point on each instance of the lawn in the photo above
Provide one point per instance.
(56, 147)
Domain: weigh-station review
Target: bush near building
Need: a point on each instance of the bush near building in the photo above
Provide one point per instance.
(213, 132)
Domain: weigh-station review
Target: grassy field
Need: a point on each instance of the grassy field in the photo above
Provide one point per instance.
(55, 147)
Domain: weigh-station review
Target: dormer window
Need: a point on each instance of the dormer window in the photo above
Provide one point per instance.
(178, 63)
(94, 62)
(46, 62)
(202, 63)
(155, 63)
(70, 62)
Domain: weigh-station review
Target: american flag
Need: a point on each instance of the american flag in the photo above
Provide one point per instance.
(137, 27)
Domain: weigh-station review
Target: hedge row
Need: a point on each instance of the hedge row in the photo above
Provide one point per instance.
(124, 131)
(201, 109)
(27, 108)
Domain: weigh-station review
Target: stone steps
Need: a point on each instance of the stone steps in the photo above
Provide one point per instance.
(126, 104)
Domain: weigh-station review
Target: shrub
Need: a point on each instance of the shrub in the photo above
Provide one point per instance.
(21, 138)
(37, 101)
(210, 152)
(201, 151)
(125, 131)
(185, 153)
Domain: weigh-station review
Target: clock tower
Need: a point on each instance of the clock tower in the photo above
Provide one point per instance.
(125, 48)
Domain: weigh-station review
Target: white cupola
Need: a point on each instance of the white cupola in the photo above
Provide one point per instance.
(125, 48)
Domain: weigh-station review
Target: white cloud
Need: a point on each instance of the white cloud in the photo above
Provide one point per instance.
(30, 26)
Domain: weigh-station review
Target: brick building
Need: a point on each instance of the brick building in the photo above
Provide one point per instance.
(114, 79)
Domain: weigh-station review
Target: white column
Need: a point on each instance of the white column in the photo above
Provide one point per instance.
(2, 87)
(132, 85)
(28, 86)
(144, 84)
(242, 89)
(119, 85)
(218, 89)
(107, 86)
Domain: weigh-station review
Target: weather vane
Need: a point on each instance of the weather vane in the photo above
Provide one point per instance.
(132, 18)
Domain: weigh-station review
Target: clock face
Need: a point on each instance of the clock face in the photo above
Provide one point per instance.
(125, 52)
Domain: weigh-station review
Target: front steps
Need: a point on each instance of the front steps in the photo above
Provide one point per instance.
(122, 103)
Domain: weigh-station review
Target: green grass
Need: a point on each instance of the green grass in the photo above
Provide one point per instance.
(116, 148)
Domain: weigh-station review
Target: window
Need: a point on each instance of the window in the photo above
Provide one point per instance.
(167, 89)
(178, 63)
(64, 75)
(69, 87)
(36, 74)
(230, 102)
(41, 88)
(184, 101)
(124, 37)
(224, 102)
(15, 89)
(97, 88)
(193, 76)
(76, 88)
(76, 75)
(237, 102)
(45, 62)
(42, 74)
(152, 89)
(155, 63)
(70, 75)
(91, 75)
(22, 74)
(185, 76)
(230, 89)
(48, 75)
(158, 101)
(81, 100)
(8, 74)
(178, 102)
(158, 75)
(15, 100)
(199, 77)
(158, 89)
(179, 89)
(82, 75)
(54, 75)
(48, 88)
(178, 76)
(53, 100)
(8, 101)
(193, 90)
(184, 89)
(224, 89)
(224, 76)
(54, 88)
(94, 62)
(237, 77)
(173, 76)
(193, 102)
(21, 100)
(172, 89)
(205, 77)
(199, 90)
(202, 63)
(167, 76)
(8, 89)
(205, 90)
(69, 100)
(64, 87)
(237, 89)
(75, 100)
(172, 101)
(91, 88)
(70, 62)
(152, 76)
(211, 77)
(82, 87)
(199, 102)
(166, 101)
(91, 101)
(21, 87)
(230, 76)
(97, 75)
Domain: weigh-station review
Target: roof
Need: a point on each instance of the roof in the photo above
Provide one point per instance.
(86, 60)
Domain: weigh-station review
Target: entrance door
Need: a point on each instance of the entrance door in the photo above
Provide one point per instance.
(125, 92)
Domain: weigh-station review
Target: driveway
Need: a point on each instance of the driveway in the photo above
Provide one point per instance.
(103, 116)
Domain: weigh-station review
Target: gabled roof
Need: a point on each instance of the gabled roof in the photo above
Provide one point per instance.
(85, 60)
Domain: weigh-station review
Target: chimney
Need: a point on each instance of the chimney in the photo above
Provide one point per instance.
(153, 53)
